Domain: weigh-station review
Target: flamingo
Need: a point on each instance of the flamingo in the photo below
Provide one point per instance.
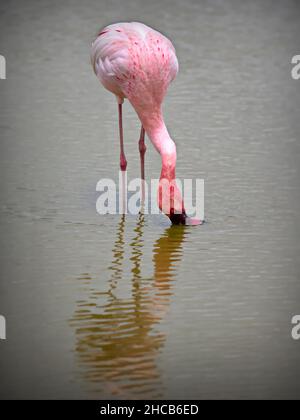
(136, 62)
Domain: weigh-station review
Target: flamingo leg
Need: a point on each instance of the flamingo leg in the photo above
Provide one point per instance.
(123, 161)
(142, 149)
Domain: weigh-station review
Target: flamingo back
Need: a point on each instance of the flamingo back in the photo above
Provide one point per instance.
(134, 61)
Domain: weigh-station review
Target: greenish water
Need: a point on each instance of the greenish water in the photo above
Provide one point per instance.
(129, 307)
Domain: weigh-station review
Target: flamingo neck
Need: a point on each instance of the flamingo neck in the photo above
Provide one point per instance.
(156, 129)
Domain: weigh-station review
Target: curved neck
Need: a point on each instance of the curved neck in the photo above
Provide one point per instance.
(156, 129)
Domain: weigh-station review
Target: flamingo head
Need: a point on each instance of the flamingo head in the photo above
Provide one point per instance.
(170, 202)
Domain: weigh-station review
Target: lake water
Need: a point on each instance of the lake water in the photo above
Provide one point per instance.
(127, 306)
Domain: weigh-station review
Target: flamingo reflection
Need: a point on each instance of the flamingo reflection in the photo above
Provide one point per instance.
(118, 342)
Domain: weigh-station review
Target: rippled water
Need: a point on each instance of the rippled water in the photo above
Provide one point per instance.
(117, 335)
(127, 306)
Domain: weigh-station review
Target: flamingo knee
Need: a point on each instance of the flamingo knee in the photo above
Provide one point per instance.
(142, 147)
(123, 162)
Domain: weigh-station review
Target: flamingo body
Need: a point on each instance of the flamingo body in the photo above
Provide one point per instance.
(134, 61)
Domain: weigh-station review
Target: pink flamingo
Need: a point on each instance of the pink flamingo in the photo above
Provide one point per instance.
(136, 62)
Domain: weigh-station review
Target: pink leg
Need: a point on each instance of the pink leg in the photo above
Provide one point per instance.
(142, 149)
(123, 161)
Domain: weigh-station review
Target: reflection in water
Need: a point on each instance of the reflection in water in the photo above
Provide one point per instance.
(118, 342)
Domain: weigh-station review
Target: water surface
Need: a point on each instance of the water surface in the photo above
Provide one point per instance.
(129, 307)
